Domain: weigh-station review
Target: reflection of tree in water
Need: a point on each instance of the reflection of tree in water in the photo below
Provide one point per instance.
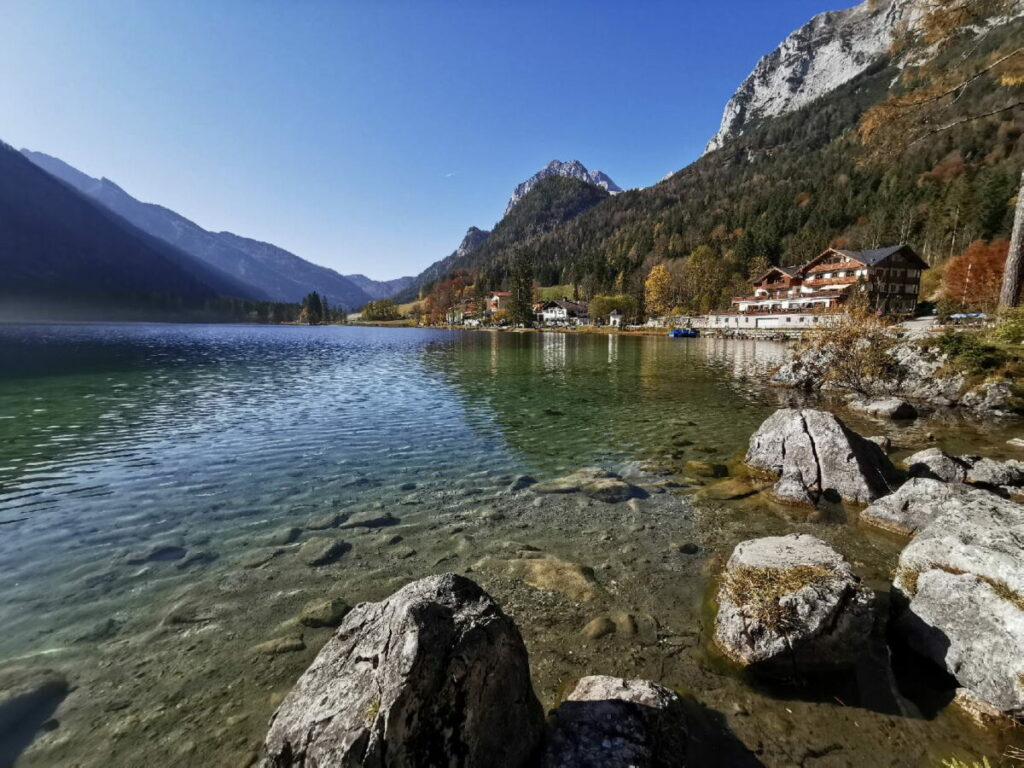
(563, 400)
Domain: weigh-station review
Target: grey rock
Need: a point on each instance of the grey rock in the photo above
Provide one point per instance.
(608, 722)
(886, 408)
(791, 605)
(962, 623)
(916, 504)
(936, 464)
(819, 450)
(990, 472)
(434, 675)
(790, 489)
(999, 398)
(961, 584)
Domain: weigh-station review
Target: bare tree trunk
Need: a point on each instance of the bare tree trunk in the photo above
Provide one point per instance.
(1009, 294)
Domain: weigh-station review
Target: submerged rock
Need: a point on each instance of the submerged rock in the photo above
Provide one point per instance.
(816, 450)
(916, 504)
(608, 722)
(434, 675)
(962, 582)
(573, 580)
(791, 605)
(322, 551)
(28, 697)
(325, 612)
(937, 465)
(597, 483)
(885, 407)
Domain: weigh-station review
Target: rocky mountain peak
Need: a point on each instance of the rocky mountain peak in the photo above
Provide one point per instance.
(829, 50)
(573, 169)
(474, 236)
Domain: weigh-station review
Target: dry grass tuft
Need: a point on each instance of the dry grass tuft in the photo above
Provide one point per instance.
(759, 590)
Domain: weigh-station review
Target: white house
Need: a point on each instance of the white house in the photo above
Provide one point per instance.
(615, 319)
(563, 312)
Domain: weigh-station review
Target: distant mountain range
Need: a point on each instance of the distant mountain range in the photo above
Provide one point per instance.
(264, 270)
(64, 255)
(380, 289)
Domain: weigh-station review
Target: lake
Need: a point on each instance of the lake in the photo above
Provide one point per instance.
(158, 484)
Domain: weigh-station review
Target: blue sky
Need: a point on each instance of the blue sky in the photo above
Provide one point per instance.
(368, 136)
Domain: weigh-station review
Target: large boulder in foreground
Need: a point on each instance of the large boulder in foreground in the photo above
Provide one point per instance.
(790, 606)
(962, 584)
(608, 722)
(434, 675)
(816, 450)
(916, 504)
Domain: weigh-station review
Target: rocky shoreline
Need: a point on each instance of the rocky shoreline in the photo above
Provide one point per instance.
(919, 375)
(437, 673)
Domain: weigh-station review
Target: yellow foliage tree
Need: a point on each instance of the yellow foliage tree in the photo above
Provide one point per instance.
(658, 291)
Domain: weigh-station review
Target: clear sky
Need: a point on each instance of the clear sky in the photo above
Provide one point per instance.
(368, 136)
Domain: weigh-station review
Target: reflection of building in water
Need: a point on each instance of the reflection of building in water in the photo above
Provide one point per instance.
(613, 348)
(553, 349)
(494, 353)
(746, 357)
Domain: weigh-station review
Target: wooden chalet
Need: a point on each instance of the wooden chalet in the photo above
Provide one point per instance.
(890, 276)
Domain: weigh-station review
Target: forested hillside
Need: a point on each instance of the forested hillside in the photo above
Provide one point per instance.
(784, 190)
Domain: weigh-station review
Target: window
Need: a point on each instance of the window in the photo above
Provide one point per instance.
(789, 319)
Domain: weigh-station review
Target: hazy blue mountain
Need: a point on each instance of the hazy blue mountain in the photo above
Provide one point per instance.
(270, 271)
(381, 289)
(62, 254)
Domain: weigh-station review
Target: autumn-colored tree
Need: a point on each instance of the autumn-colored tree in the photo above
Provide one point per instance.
(973, 278)
(658, 291)
(933, 86)
(446, 294)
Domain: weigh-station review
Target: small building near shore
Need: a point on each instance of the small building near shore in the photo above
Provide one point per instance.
(563, 312)
(615, 319)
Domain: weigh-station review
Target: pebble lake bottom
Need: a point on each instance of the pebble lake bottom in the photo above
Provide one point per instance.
(166, 492)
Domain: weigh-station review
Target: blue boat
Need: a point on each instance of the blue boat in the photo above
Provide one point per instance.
(684, 333)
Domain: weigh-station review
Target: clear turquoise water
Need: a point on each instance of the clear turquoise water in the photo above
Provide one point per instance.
(115, 438)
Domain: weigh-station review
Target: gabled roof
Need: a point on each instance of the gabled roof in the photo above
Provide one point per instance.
(787, 271)
(877, 255)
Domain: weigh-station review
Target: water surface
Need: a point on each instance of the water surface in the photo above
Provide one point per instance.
(143, 468)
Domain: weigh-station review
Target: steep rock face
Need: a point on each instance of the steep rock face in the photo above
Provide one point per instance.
(829, 50)
(434, 675)
(473, 239)
(574, 169)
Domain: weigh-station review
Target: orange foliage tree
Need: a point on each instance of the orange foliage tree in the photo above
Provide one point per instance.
(973, 278)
